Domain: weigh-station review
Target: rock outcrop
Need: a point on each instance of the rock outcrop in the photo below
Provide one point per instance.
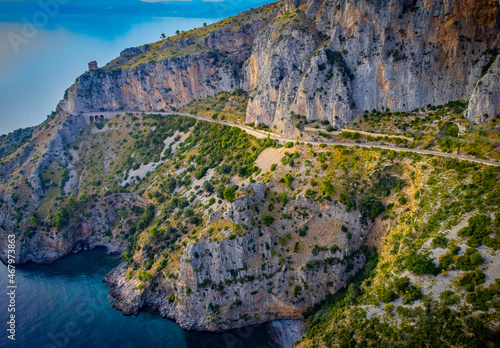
(334, 60)
(285, 332)
(197, 64)
(49, 148)
(319, 59)
(315, 59)
(484, 102)
(240, 281)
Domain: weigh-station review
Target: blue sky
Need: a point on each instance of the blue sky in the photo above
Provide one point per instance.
(44, 48)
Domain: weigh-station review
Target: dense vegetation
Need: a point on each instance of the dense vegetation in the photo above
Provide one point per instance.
(440, 128)
(440, 216)
(389, 306)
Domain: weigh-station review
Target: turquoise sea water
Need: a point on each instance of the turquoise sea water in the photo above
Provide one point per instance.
(66, 304)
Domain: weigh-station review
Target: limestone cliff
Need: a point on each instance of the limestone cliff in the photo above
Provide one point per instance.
(325, 60)
(39, 175)
(172, 72)
(236, 282)
(484, 102)
(335, 59)
(219, 232)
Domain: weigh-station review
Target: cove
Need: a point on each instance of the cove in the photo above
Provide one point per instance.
(66, 304)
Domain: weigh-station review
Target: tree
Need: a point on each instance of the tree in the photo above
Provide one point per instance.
(163, 36)
(62, 219)
(327, 187)
(268, 219)
(288, 179)
(284, 197)
(205, 24)
(208, 187)
(353, 292)
(230, 193)
(177, 32)
(373, 206)
(420, 264)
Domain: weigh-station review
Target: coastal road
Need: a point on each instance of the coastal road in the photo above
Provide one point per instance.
(263, 134)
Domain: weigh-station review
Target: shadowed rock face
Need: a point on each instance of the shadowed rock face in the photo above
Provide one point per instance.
(323, 60)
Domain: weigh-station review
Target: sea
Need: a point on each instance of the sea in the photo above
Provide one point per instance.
(66, 304)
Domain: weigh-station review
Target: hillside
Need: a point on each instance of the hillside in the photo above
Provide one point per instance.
(213, 171)
(323, 60)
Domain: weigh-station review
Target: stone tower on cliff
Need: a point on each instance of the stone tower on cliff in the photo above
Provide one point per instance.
(93, 65)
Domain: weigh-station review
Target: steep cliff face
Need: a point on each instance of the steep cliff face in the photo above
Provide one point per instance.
(151, 86)
(336, 59)
(172, 72)
(39, 181)
(325, 60)
(484, 102)
(241, 281)
(20, 172)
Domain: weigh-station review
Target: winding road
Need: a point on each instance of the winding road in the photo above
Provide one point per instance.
(263, 134)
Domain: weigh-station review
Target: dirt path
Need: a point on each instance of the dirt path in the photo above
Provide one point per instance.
(263, 134)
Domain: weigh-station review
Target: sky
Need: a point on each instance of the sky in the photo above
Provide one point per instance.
(46, 44)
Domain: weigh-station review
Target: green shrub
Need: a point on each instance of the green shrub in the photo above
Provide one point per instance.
(327, 187)
(448, 297)
(313, 265)
(373, 206)
(413, 293)
(470, 280)
(288, 179)
(311, 193)
(347, 201)
(439, 241)
(401, 284)
(284, 198)
(446, 260)
(478, 230)
(334, 249)
(480, 296)
(267, 219)
(230, 193)
(282, 240)
(420, 264)
(386, 295)
(470, 260)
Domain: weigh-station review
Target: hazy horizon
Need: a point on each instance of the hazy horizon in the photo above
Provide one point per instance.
(37, 66)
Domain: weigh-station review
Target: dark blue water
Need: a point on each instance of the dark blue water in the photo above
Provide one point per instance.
(66, 304)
